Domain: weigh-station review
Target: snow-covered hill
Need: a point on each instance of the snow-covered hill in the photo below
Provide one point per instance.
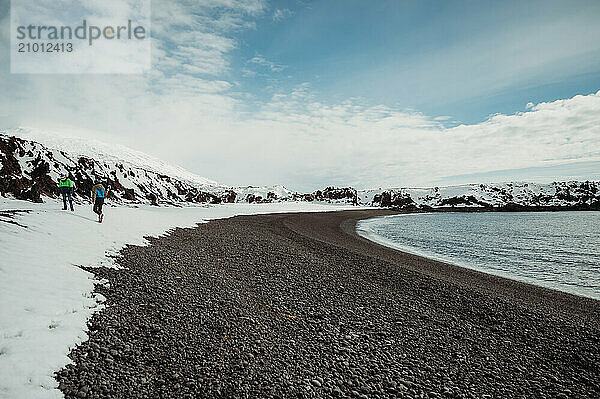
(29, 170)
(515, 195)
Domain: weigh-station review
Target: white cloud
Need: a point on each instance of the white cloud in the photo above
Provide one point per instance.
(372, 146)
(281, 14)
(270, 65)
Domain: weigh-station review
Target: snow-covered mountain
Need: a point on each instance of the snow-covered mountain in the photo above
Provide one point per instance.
(30, 169)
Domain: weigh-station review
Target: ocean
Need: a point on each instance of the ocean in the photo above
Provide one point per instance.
(559, 250)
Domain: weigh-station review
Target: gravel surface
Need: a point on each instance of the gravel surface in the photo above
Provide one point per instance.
(297, 305)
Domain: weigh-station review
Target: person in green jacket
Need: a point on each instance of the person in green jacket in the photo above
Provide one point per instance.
(66, 187)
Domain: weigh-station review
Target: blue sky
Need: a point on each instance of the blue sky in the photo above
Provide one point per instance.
(362, 93)
(438, 57)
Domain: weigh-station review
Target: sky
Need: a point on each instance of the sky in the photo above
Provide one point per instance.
(363, 93)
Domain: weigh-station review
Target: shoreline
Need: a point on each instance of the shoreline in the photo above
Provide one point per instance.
(300, 305)
(477, 279)
(466, 277)
(365, 232)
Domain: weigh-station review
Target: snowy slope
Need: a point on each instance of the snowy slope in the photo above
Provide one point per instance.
(29, 170)
(102, 152)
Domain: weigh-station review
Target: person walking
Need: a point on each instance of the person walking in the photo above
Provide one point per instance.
(66, 187)
(98, 192)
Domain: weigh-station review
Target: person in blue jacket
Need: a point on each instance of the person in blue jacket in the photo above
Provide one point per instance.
(98, 193)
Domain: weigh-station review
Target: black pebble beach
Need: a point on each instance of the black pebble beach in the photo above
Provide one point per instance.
(297, 305)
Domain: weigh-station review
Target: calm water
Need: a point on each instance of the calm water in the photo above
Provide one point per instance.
(559, 250)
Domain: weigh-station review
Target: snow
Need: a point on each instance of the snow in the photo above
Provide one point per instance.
(111, 153)
(45, 300)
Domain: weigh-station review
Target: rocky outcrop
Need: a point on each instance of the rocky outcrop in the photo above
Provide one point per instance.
(334, 194)
(393, 200)
(27, 184)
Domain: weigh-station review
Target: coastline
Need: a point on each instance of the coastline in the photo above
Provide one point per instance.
(300, 305)
(370, 229)
(503, 287)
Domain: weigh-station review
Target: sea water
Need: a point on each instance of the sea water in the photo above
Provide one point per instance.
(559, 250)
